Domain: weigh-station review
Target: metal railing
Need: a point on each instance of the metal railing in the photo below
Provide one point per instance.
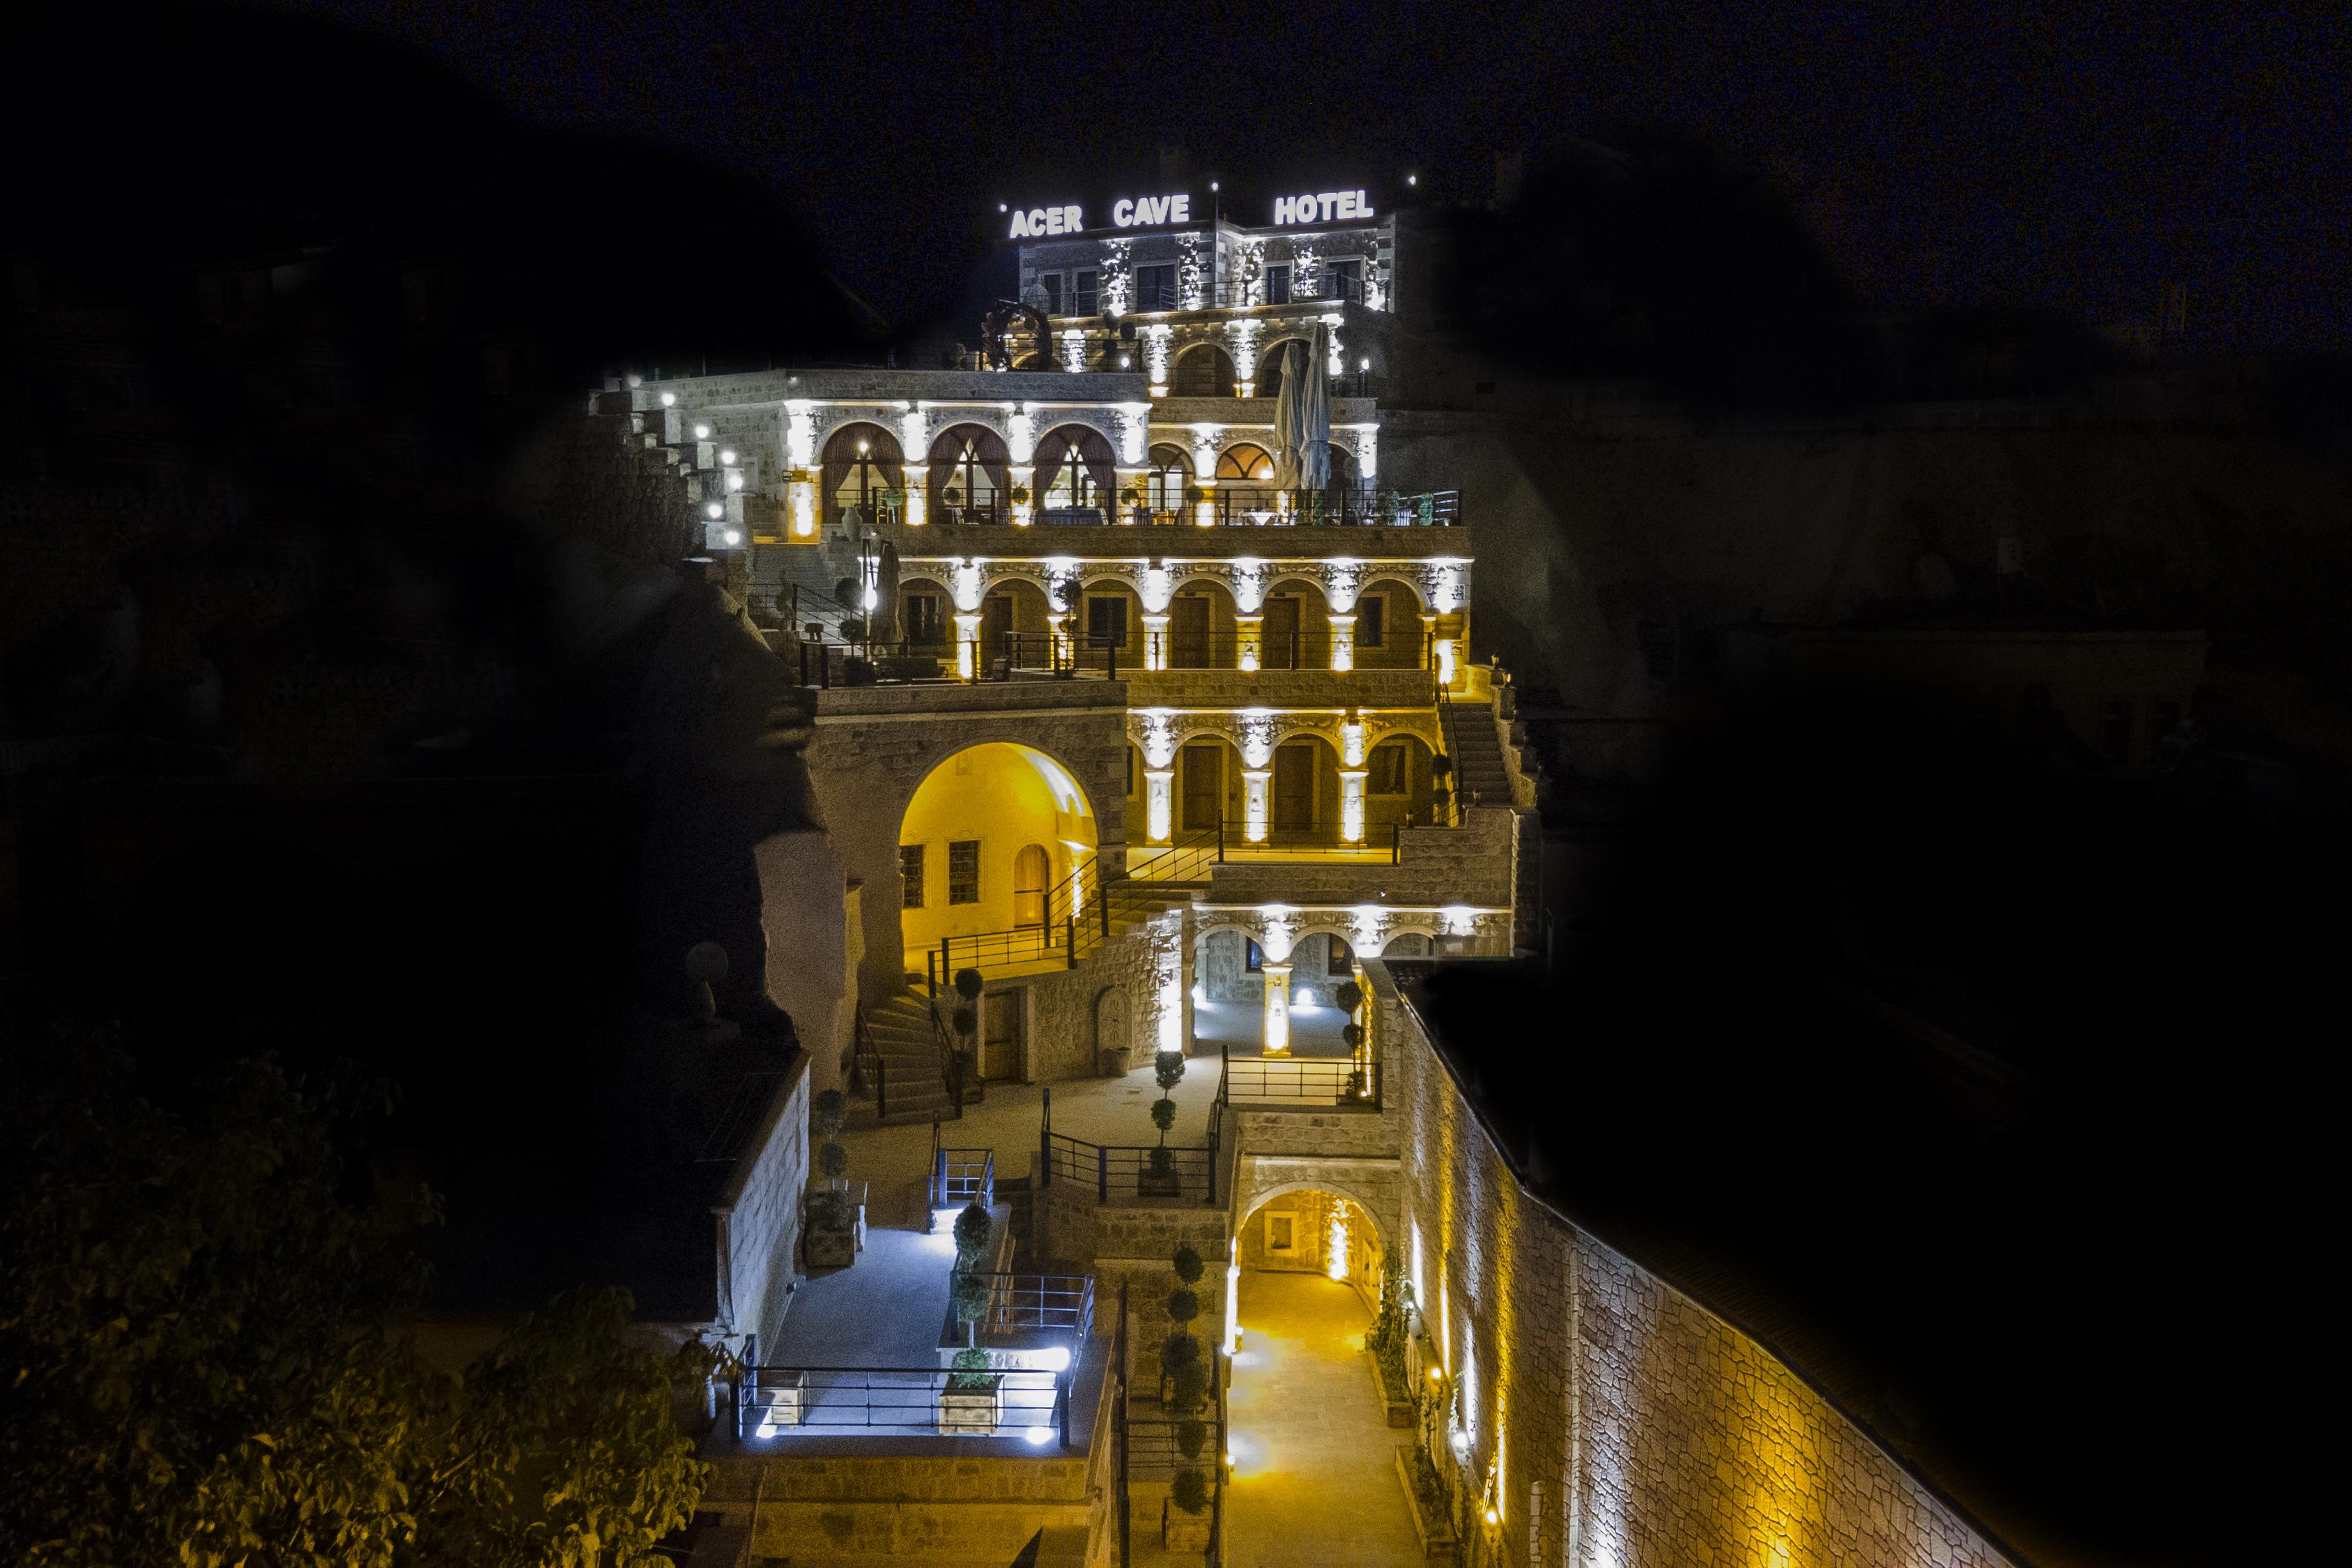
(869, 1073)
(776, 1401)
(951, 1063)
(1074, 919)
(1041, 1303)
(1448, 812)
(1301, 648)
(1232, 504)
(1123, 1173)
(960, 1176)
(1302, 1080)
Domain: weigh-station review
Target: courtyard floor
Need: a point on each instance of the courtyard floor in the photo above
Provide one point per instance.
(1315, 1482)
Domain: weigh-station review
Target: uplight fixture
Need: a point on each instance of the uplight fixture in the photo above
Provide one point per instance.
(714, 511)
(702, 432)
(669, 400)
(734, 536)
(1040, 1436)
(727, 459)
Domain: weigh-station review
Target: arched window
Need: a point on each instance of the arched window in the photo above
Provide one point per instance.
(970, 471)
(1031, 871)
(1170, 477)
(1343, 467)
(1245, 462)
(1270, 363)
(862, 468)
(1204, 370)
(1074, 468)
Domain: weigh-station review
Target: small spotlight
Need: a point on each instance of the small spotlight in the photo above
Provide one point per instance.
(714, 511)
(1040, 1436)
(636, 382)
(1212, 185)
(734, 536)
(702, 432)
(861, 448)
(1494, 1518)
(1435, 1375)
(1413, 179)
(1002, 207)
(1364, 364)
(1056, 1359)
(727, 459)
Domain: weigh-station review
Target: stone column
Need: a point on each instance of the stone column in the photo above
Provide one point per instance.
(967, 645)
(1158, 793)
(1254, 804)
(1249, 632)
(1058, 636)
(1343, 643)
(1277, 1042)
(1351, 804)
(1155, 642)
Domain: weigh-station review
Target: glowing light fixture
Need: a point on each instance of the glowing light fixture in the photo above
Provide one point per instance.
(1409, 179)
(669, 399)
(862, 446)
(1435, 1375)
(1056, 1359)
(727, 459)
(714, 511)
(635, 381)
(734, 536)
(1040, 1436)
(702, 432)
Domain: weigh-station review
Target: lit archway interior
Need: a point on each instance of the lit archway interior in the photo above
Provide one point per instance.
(989, 843)
(1311, 1230)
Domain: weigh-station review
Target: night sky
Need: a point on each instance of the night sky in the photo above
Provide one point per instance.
(2084, 158)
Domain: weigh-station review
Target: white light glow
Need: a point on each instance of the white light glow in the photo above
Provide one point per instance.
(635, 381)
(702, 432)
(1303, 1001)
(727, 459)
(1040, 1436)
(714, 511)
(734, 536)
(1056, 1358)
(668, 399)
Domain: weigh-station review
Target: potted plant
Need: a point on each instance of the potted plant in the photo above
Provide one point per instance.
(1184, 1522)
(966, 1018)
(1441, 768)
(836, 1226)
(972, 1397)
(1161, 1178)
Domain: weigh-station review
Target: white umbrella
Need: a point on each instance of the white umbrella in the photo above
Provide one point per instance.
(1287, 416)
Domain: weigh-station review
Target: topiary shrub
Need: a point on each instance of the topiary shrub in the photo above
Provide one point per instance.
(832, 1161)
(968, 1294)
(1190, 1491)
(1349, 995)
(1184, 1306)
(969, 984)
(973, 1230)
(1187, 1265)
(1191, 1436)
(965, 1019)
(830, 1210)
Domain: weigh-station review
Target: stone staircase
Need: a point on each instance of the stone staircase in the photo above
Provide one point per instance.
(1479, 777)
(899, 1033)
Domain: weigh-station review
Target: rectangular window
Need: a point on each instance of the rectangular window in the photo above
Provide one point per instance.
(1281, 1232)
(1082, 300)
(1253, 959)
(927, 621)
(1341, 961)
(964, 871)
(1051, 282)
(1106, 621)
(1372, 621)
(1347, 280)
(1277, 284)
(910, 876)
(1155, 287)
(1388, 769)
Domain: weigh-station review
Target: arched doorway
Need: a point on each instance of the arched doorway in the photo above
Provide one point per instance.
(1204, 370)
(970, 471)
(1076, 474)
(1165, 484)
(864, 476)
(987, 848)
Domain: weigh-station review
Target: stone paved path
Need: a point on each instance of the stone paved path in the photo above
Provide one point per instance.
(1315, 1482)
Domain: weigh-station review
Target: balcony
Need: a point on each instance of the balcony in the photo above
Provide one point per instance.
(1259, 411)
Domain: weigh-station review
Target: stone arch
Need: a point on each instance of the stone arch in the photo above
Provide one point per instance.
(1355, 1193)
(1114, 1036)
(1203, 369)
(1274, 362)
(1009, 799)
(1408, 944)
(1202, 639)
(1076, 465)
(1396, 643)
(860, 467)
(970, 461)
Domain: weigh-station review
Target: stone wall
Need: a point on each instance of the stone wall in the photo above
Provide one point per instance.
(1472, 864)
(875, 746)
(880, 1509)
(758, 1214)
(1637, 1427)
(1114, 999)
(811, 918)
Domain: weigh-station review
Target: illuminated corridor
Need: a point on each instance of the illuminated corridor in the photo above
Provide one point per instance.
(1314, 1484)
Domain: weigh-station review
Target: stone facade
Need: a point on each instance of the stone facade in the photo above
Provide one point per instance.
(759, 1216)
(880, 1510)
(875, 746)
(1647, 1429)
(1129, 995)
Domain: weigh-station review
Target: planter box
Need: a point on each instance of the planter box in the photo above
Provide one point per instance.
(780, 1403)
(1400, 1411)
(828, 1249)
(1181, 1531)
(1436, 1536)
(1151, 1184)
(972, 1410)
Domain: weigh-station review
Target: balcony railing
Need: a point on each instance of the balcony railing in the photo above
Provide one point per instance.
(858, 1401)
(1235, 505)
(1301, 1080)
(1039, 1303)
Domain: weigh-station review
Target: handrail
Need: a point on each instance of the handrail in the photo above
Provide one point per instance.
(1445, 727)
(861, 1053)
(1069, 928)
(770, 1400)
(950, 1058)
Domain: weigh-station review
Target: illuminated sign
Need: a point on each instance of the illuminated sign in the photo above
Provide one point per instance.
(1039, 221)
(1324, 207)
(1147, 210)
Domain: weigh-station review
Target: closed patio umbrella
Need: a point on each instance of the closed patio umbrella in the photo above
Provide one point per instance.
(1314, 384)
(1287, 414)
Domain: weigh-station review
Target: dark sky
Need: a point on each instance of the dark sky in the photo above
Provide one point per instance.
(2084, 157)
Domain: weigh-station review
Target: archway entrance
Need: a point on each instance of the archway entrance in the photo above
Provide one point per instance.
(994, 842)
(1315, 1479)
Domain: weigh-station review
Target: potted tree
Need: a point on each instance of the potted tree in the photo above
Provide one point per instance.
(1161, 1178)
(972, 1397)
(1184, 1522)
(836, 1228)
(965, 1067)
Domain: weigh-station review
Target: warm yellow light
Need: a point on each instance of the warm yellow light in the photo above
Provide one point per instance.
(1435, 1375)
(1494, 1518)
